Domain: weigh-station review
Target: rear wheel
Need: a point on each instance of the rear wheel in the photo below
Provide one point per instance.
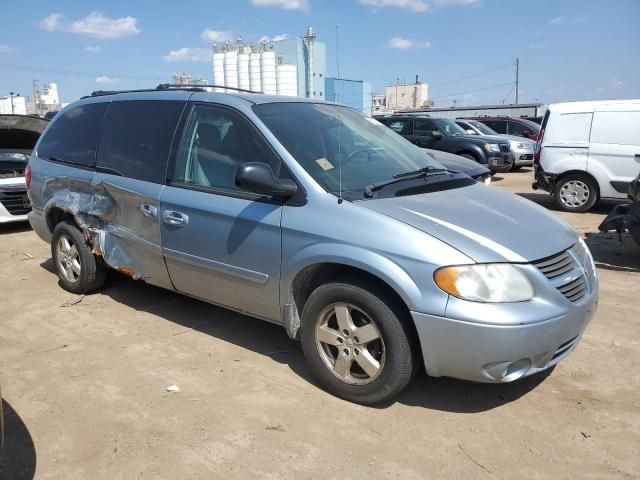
(78, 269)
(576, 192)
(355, 343)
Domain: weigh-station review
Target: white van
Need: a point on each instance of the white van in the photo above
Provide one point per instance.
(588, 151)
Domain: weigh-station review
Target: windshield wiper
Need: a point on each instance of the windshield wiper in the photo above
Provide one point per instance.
(401, 177)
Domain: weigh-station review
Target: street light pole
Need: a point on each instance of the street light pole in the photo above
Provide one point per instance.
(11, 97)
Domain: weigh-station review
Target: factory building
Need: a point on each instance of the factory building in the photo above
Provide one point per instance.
(187, 79)
(408, 96)
(13, 104)
(293, 66)
(353, 93)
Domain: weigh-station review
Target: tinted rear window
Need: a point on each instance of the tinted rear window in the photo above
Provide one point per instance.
(73, 135)
(136, 137)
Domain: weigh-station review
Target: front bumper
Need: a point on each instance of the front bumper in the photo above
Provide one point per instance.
(500, 162)
(523, 159)
(492, 353)
(543, 180)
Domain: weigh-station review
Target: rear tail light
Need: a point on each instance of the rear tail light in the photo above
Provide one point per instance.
(536, 155)
(27, 176)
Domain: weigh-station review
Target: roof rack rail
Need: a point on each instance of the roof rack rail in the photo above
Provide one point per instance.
(165, 87)
(176, 86)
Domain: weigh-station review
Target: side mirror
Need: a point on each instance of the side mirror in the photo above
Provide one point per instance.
(526, 133)
(258, 177)
(437, 134)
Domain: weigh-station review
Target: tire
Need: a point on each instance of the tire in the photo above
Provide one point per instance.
(78, 269)
(387, 343)
(576, 193)
(515, 168)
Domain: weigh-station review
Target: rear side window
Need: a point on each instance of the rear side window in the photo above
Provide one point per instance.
(403, 127)
(424, 127)
(622, 128)
(136, 137)
(500, 126)
(73, 135)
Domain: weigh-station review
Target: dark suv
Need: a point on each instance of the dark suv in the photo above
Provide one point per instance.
(520, 127)
(445, 135)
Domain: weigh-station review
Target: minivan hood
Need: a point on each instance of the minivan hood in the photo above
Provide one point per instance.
(484, 223)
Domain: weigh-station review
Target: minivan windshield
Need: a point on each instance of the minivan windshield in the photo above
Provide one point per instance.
(339, 145)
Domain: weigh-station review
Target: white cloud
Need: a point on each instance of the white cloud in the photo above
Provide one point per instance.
(284, 4)
(413, 5)
(7, 49)
(556, 20)
(406, 43)
(188, 55)
(107, 79)
(96, 25)
(99, 25)
(215, 36)
(536, 46)
(52, 22)
(277, 38)
(419, 5)
(92, 49)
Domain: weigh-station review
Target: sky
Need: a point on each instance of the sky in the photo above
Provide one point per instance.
(465, 49)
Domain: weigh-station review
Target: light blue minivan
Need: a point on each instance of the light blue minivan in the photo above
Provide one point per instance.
(316, 217)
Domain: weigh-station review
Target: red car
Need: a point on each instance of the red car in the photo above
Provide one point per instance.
(521, 127)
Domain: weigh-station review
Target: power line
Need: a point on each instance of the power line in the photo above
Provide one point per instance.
(77, 73)
(510, 64)
(474, 90)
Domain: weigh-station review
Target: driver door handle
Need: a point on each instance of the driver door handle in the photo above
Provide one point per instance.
(177, 219)
(148, 210)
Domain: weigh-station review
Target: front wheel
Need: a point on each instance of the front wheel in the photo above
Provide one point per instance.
(575, 193)
(355, 343)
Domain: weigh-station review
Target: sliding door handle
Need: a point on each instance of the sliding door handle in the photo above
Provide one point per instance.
(174, 218)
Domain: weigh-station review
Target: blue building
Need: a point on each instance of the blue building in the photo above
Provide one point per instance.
(352, 93)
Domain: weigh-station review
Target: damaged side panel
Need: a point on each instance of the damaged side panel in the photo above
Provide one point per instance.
(119, 218)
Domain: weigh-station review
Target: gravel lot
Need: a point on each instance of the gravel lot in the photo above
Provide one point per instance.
(84, 382)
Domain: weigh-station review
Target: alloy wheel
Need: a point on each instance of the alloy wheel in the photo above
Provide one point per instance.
(68, 259)
(350, 344)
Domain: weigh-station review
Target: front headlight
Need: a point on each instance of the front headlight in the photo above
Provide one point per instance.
(491, 147)
(487, 180)
(525, 146)
(494, 283)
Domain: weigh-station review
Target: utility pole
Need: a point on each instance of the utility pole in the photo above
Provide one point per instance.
(517, 79)
(36, 107)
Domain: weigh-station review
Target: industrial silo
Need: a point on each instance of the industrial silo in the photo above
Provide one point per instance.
(231, 69)
(254, 72)
(268, 72)
(287, 80)
(243, 71)
(218, 70)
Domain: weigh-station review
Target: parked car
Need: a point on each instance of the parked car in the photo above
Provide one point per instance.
(444, 135)
(519, 127)
(626, 217)
(313, 216)
(460, 164)
(588, 151)
(18, 136)
(522, 148)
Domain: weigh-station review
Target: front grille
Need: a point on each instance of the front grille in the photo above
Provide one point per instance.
(11, 172)
(16, 202)
(565, 272)
(505, 147)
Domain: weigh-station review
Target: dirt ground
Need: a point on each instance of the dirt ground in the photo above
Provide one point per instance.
(85, 387)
